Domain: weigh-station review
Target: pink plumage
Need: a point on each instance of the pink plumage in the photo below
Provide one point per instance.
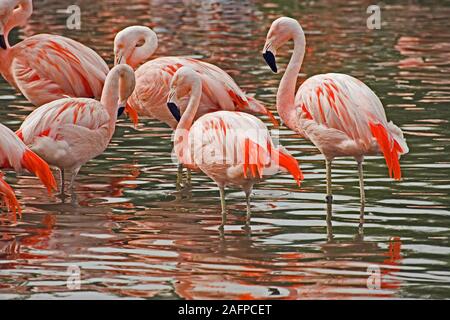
(47, 67)
(137, 44)
(69, 132)
(232, 148)
(14, 154)
(338, 113)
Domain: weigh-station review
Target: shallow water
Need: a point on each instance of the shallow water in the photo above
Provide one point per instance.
(135, 236)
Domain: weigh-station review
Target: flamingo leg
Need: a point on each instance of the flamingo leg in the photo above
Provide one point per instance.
(189, 177)
(329, 191)
(362, 193)
(179, 176)
(223, 205)
(72, 186)
(248, 194)
(62, 194)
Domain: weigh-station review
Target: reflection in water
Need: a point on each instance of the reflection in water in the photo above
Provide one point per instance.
(136, 236)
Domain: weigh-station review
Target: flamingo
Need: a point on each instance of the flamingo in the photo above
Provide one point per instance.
(16, 155)
(137, 44)
(47, 67)
(69, 132)
(338, 113)
(231, 147)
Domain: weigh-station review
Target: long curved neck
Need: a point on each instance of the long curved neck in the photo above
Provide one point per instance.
(19, 17)
(191, 110)
(185, 124)
(110, 98)
(286, 91)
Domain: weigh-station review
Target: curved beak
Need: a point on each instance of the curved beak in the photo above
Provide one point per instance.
(3, 44)
(118, 59)
(270, 60)
(269, 56)
(173, 108)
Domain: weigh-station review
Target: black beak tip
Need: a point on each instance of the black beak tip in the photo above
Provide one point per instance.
(120, 111)
(270, 60)
(3, 42)
(174, 110)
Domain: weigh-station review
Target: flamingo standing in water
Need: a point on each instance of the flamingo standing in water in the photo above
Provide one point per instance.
(232, 148)
(69, 132)
(137, 44)
(339, 114)
(16, 155)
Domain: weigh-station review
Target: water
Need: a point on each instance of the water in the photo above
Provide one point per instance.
(135, 236)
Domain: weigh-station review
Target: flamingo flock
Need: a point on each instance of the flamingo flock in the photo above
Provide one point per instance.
(78, 100)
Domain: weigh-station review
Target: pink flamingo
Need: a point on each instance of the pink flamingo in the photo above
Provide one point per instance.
(137, 44)
(48, 67)
(69, 132)
(232, 148)
(16, 155)
(339, 114)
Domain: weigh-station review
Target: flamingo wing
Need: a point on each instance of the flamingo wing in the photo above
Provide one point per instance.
(60, 67)
(152, 89)
(15, 154)
(49, 120)
(220, 92)
(239, 139)
(350, 110)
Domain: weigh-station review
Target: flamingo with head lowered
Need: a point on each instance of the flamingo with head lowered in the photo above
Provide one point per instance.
(14, 154)
(231, 147)
(47, 67)
(69, 132)
(137, 44)
(339, 114)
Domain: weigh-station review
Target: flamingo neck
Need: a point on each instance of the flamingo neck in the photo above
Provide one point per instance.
(286, 92)
(110, 99)
(186, 121)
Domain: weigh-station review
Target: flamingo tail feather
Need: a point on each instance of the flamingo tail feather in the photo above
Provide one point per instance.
(390, 148)
(33, 163)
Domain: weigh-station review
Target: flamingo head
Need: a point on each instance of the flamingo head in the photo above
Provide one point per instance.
(181, 86)
(134, 45)
(13, 13)
(281, 31)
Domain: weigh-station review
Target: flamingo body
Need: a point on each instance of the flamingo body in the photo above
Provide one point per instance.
(49, 67)
(235, 148)
(68, 132)
(220, 92)
(343, 117)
